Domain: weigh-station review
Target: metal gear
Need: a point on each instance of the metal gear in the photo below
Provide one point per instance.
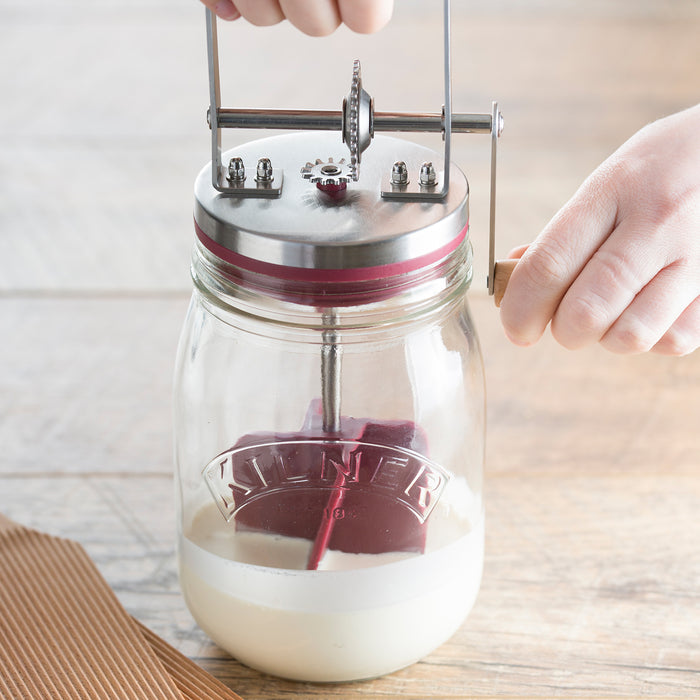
(358, 109)
(328, 172)
(353, 119)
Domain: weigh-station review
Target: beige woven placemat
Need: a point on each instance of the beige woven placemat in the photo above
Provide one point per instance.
(64, 634)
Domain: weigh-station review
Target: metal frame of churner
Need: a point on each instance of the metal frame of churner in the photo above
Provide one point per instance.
(357, 121)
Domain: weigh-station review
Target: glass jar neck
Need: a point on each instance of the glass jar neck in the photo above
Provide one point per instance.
(307, 301)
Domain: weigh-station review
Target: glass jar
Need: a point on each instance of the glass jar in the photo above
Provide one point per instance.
(329, 422)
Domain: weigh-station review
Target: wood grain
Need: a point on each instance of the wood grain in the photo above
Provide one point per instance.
(592, 573)
(502, 271)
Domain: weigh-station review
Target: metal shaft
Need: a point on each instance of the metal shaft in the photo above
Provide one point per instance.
(331, 354)
(329, 120)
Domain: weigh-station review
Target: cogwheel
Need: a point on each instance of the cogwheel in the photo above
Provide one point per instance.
(353, 118)
(358, 109)
(327, 172)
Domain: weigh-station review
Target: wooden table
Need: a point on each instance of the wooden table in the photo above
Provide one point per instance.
(592, 578)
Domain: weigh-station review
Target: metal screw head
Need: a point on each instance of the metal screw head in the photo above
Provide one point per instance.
(264, 170)
(236, 170)
(399, 173)
(428, 176)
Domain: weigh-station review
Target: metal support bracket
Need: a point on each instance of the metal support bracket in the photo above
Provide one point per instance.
(414, 191)
(250, 186)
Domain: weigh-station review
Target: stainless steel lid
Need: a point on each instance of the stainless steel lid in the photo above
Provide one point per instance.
(306, 228)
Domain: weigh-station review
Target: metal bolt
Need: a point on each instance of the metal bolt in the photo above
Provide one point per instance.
(399, 173)
(236, 170)
(428, 176)
(264, 171)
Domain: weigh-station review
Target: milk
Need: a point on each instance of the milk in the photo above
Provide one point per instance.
(357, 616)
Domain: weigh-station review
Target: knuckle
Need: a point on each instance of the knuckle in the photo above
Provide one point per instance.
(658, 205)
(579, 319)
(615, 181)
(547, 265)
(614, 268)
(629, 339)
(669, 211)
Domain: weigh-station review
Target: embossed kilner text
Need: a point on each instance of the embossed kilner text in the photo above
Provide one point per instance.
(249, 473)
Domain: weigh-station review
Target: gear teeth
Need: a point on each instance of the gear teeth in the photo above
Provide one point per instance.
(354, 119)
(327, 172)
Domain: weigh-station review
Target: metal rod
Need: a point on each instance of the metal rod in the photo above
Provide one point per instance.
(431, 122)
(318, 120)
(447, 107)
(496, 121)
(331, 354)
(214, 95)
(330, 120)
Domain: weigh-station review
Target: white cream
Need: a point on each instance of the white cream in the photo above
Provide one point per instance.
(358, 616)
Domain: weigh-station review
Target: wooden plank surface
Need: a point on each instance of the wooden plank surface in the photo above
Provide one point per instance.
(592, 574)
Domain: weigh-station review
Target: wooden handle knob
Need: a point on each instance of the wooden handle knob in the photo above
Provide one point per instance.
(501, 274)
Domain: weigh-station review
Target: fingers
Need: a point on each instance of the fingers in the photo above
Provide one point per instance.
(366, 16)
(322, 17)
(549, 266)
(225, 9)
(518, 252)
(618, 264)
(630, 294)
(262, 13)
(683, 337)
(621, 277)
(313, 17)
(652, 314)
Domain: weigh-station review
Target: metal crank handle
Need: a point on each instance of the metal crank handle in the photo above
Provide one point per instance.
(357, 121)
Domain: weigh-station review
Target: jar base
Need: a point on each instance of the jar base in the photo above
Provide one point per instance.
(333, 626)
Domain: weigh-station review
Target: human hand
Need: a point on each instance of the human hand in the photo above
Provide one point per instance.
(620, 263)
(314, 17)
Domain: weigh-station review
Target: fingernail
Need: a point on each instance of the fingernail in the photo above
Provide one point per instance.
(226, 10)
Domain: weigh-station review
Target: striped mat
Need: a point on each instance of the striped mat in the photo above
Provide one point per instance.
(64, 634)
